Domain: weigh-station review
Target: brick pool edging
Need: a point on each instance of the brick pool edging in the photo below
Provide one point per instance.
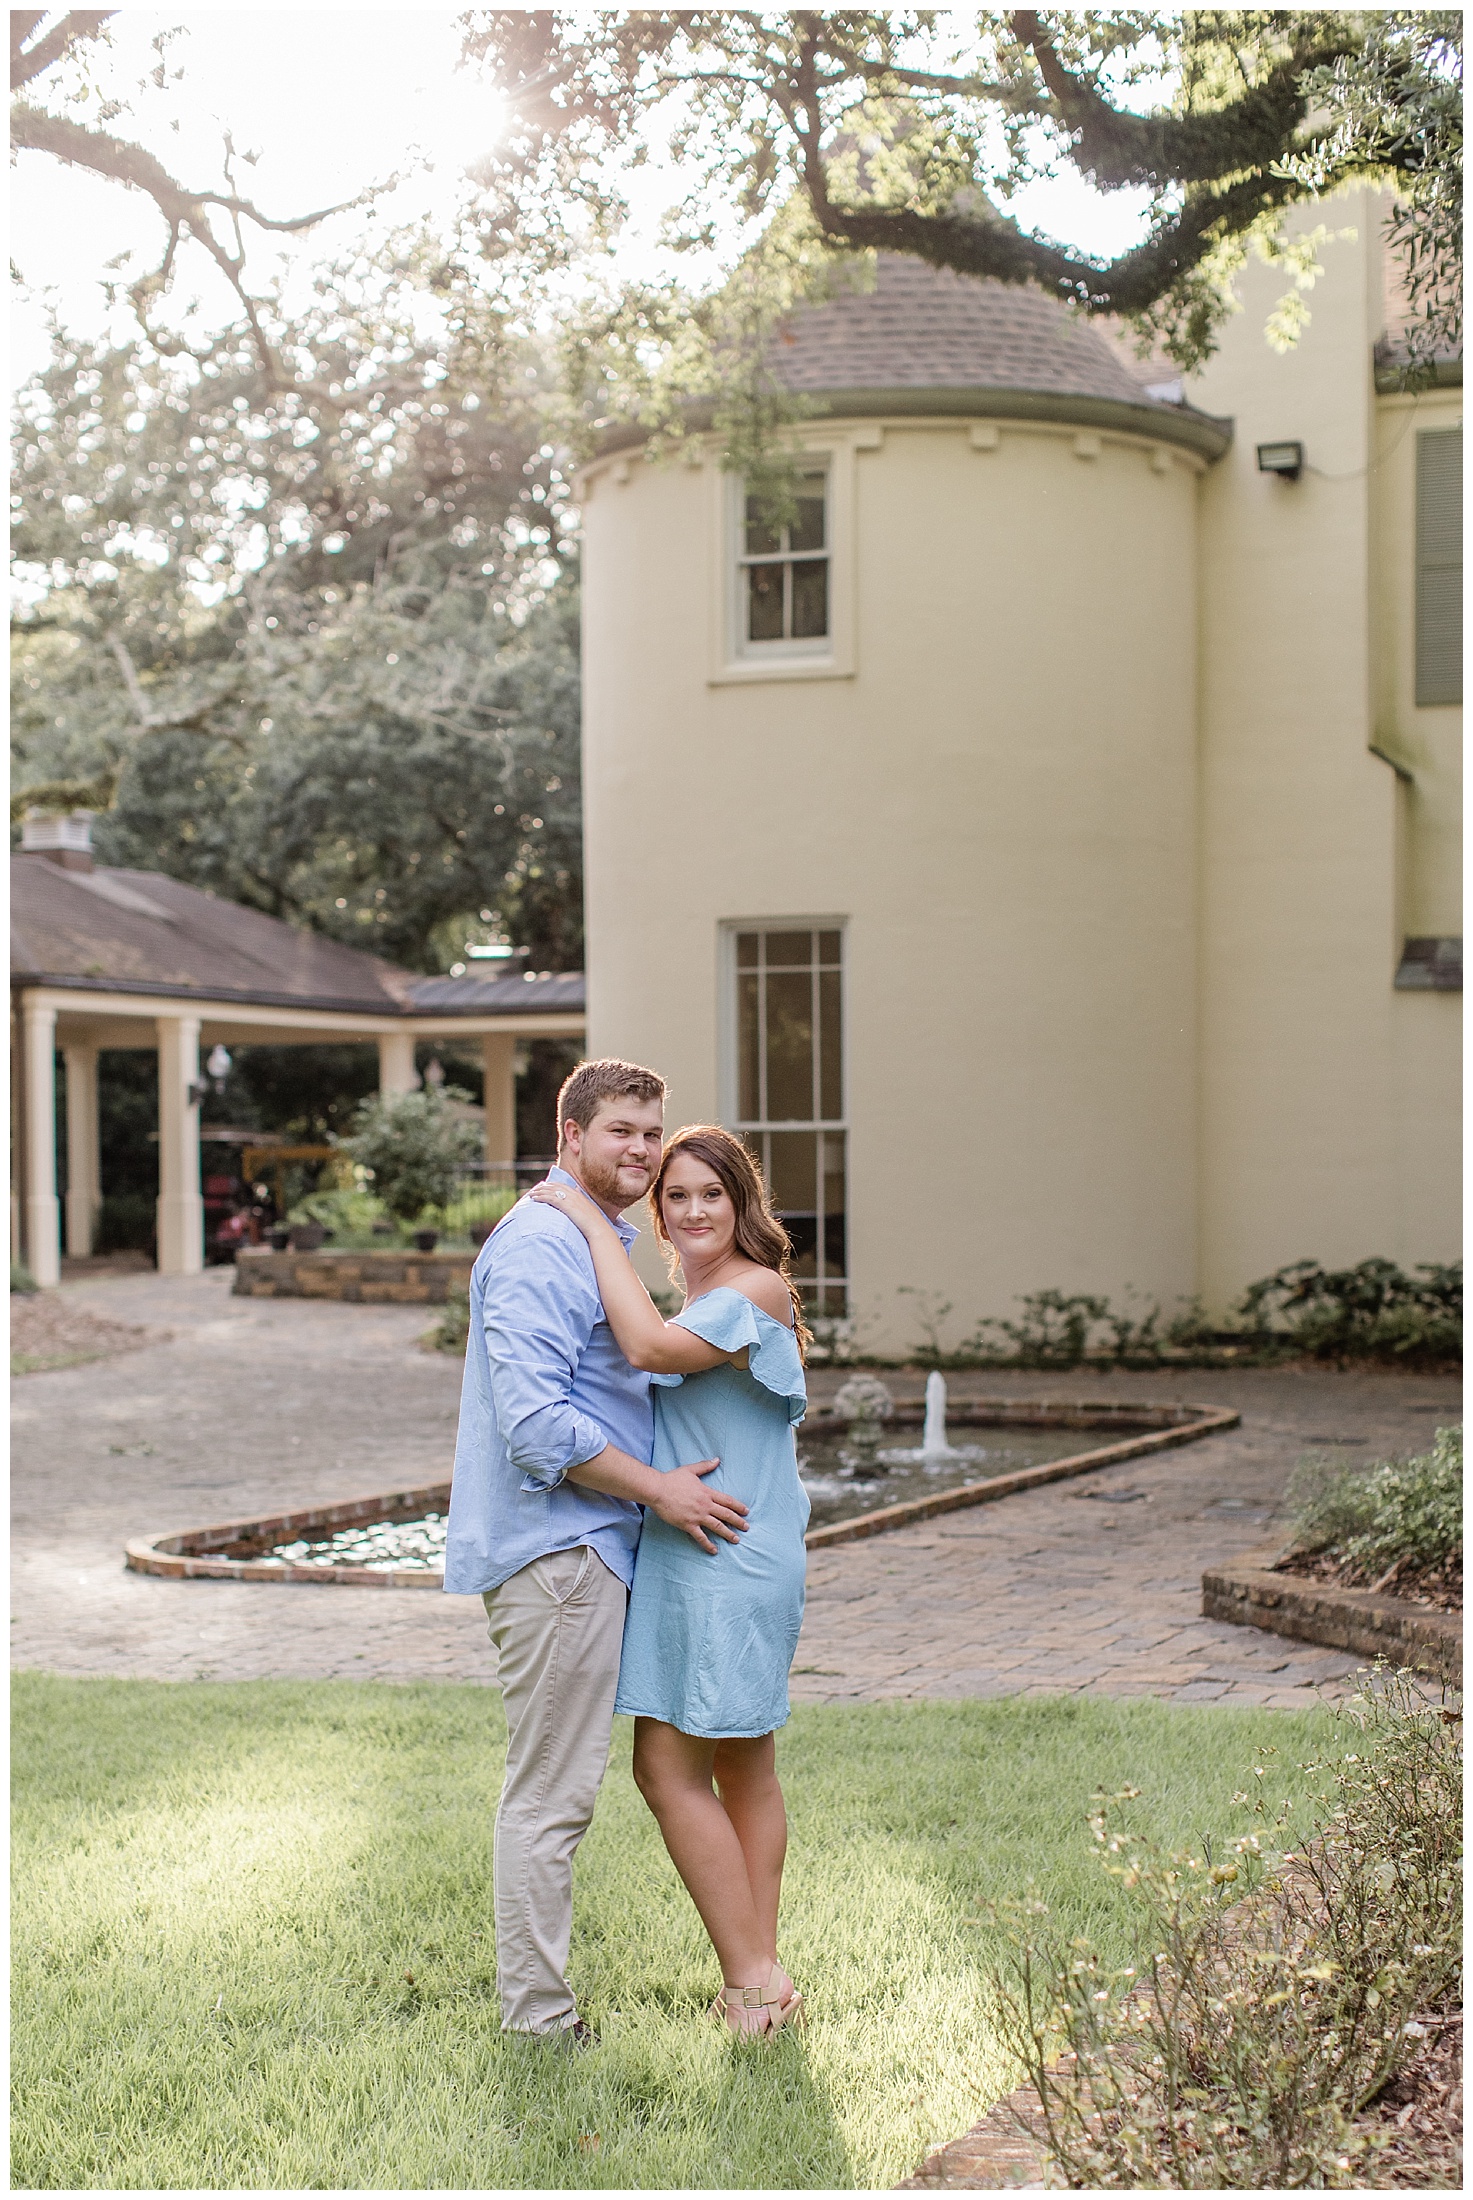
(1248, 1593)
(199, 1554)
(1206, 1421)
(184, 1554)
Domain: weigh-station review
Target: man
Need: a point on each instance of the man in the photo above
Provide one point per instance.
(551, 1469)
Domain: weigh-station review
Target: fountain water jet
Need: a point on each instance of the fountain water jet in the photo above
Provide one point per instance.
(933, 1438)
(935, 1448)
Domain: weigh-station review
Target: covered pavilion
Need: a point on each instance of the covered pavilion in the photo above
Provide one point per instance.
(113, 958)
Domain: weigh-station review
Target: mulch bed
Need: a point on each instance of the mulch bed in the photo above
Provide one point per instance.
(48, 1331)
(1417, 2120)
(1437, 1588)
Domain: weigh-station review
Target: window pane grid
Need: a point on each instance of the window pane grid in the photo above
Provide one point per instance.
(784, 571)
(790, 1097)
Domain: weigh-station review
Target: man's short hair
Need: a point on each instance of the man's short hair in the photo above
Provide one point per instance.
(594, 1082)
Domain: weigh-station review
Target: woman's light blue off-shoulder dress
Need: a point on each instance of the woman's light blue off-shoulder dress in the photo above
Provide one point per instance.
(709, 1639)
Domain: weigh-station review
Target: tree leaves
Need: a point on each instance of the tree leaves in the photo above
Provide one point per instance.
(901, 131)
(326, 652)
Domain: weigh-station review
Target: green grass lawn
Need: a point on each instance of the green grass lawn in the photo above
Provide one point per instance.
(252, 1939)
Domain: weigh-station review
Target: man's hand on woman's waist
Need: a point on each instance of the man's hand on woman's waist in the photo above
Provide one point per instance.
(682, 1498)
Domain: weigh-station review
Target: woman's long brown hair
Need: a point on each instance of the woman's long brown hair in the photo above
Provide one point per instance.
(759, 1234)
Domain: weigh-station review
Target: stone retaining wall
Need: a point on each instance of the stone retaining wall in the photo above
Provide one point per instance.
(1248, 1593)
(389, 1278)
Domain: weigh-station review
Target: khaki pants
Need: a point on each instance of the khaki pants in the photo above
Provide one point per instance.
(557, 1626)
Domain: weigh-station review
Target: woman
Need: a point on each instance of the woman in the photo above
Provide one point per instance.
(711, 1634)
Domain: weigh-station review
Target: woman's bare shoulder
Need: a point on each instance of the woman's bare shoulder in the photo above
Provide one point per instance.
(765, 1288)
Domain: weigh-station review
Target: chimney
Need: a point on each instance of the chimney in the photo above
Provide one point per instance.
(63, 840)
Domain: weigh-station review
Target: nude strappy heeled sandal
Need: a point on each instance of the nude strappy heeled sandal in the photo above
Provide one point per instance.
(768, 1997)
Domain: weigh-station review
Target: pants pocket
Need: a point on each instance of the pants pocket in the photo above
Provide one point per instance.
(562, 1573)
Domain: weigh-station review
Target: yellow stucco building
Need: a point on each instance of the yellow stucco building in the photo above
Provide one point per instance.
(1045, 849)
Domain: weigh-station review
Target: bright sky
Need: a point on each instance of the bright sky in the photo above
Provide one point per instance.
(331, 99)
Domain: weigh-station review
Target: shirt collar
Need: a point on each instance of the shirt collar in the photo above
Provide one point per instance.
(628, 1231)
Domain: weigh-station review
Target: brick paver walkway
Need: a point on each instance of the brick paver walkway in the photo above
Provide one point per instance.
(255, 1404)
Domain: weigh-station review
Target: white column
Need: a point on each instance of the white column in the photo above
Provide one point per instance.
(43, 1236)
(396, 1071)
(83, 1149)
(499, 1063)
(181, 1209)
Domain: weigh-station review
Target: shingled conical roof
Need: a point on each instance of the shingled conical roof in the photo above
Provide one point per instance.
(928, 339)
(927, 327)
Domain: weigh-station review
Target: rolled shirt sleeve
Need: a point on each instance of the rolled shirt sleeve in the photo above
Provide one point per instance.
(538, 1320)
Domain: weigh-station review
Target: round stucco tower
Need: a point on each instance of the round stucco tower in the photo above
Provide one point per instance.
(890, 818)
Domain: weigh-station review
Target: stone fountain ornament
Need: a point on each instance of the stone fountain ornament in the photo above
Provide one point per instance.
(865, 1403)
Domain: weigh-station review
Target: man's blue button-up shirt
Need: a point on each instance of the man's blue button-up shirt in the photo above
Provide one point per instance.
(545, 1388)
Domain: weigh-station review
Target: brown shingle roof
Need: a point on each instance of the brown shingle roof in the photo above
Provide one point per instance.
(927, 327)
(927, 340)
(140, 931)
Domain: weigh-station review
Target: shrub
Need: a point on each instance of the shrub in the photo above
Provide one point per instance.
(476, 1204)
(1375, 1311)
(21, 1278)
(1276, 1993)
(1395, 1513)
(1064, 1329)
(452, 1330)
(1055, 1329)
(414, 1145)
(358, 1218)
(346, 1215)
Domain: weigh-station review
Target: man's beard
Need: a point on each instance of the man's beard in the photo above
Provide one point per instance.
(603, 1181)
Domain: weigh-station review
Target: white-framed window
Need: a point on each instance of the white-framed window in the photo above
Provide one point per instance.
(786, 1088)
(783, 591)
(783, 598)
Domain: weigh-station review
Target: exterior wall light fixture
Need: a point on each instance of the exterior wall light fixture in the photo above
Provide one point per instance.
(217, 1069)
(1284, 459)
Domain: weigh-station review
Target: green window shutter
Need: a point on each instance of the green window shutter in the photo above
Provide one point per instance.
(1440, 566)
